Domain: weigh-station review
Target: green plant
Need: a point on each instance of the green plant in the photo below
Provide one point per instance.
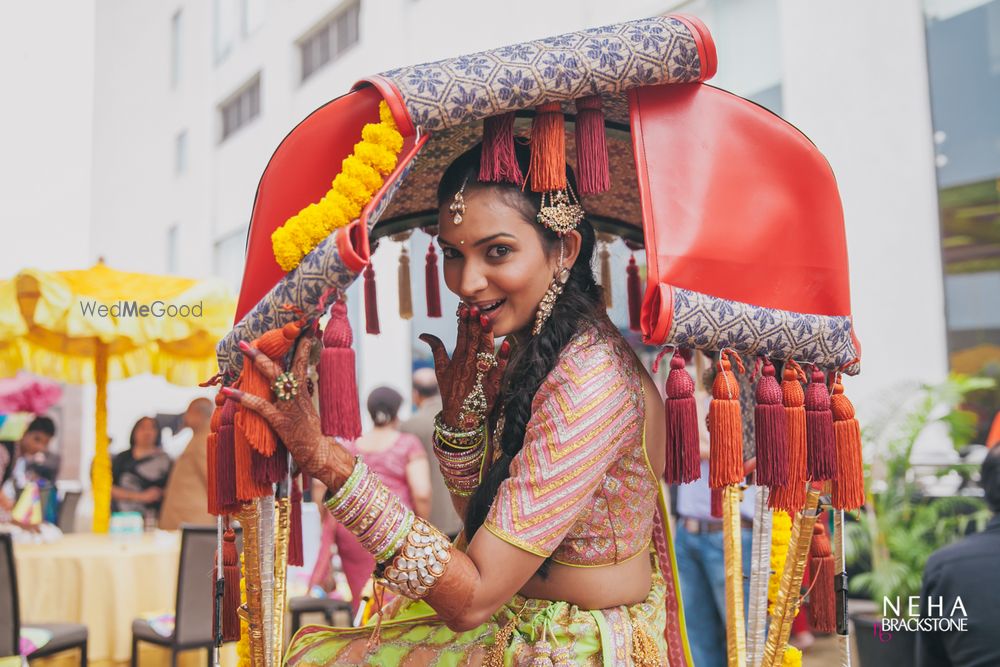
(899, 527)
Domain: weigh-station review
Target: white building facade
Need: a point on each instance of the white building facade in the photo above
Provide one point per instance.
(191, 97)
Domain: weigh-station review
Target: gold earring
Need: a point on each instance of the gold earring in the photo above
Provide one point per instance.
(549, 300)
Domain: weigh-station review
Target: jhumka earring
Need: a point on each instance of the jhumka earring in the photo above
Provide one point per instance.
(552, 293)
(457, 206)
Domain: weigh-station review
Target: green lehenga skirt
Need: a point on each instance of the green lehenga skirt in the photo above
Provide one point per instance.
(567, 634)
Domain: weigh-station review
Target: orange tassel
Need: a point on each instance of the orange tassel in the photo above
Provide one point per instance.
(849, 484)
(231, 588)
(792, 497)
(725, 426)
(548, 149)
(822, 608)
(253, 433)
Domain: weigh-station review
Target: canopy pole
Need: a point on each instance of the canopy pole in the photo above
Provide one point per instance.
(101, 469)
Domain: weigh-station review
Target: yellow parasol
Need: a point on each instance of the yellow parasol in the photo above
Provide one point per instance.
(101, 324)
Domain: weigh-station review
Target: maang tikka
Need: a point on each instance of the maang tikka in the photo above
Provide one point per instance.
(457, 206)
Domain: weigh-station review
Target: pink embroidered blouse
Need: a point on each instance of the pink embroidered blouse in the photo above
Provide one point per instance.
(581, 489)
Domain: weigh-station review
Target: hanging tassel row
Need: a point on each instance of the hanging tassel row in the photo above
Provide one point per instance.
(339, 410)
(792, 496)
(592, 170)
(725, 425)
(770, 430)
(683, 456)
(405, 293)
(548, 149)
(849, 484)
(498, 163)
(634, 291)
(822, 460)
(371, 302)
(822, 608)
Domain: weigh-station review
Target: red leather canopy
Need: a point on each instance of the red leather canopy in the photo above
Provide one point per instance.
(736, 203)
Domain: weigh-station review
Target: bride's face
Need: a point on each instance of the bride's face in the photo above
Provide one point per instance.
(495, 259)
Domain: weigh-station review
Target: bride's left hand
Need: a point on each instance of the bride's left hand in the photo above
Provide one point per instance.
(295, 421)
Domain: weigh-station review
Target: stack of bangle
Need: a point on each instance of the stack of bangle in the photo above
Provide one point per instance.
(420, 563)
(371, 512)
(460, 455)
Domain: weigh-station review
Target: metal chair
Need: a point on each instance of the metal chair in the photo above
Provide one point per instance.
(65, 636)
(193, 608)
(67, 512)
(308, 605)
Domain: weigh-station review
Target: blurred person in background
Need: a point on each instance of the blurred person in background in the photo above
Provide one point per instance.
(185, 499)
(401, 462)
(966, 570)
(139, 474)
(427, 401)
(28, 460)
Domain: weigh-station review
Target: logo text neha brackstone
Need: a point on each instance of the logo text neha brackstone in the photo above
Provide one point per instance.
(136, 309)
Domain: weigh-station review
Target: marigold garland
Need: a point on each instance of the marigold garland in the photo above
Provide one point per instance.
(361, 176)
(781, 534)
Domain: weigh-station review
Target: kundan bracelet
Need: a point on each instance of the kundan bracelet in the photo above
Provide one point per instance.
(419, 565)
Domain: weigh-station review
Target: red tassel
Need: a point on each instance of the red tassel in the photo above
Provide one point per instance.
(770, 431)
(548, 149)
(715, 509)
(371, 302)
(212, 456)
(822, 455)
(725, 427)
(295, 551)
(340, 414)
(792, 497)
(634, 293)
(270, 469)
(498, 163)
(592, 170)
(226, 467)
(431, 284)
(822, 608)
(231, 587)
(849, 484)
(683, 457)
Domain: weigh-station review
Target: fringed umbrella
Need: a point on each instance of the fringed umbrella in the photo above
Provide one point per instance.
(100, 324)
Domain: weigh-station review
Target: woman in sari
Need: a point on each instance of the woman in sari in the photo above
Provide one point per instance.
(551, 448)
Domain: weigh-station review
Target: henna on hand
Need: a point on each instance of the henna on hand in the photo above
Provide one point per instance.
(457, 376)
(296, 421)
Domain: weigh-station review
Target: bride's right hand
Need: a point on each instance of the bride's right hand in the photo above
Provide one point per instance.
(295, 421)
(457, 376)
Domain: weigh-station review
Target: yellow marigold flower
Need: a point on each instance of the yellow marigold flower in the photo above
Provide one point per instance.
(334, 216)
(313, 224)
(792, 657)
(383, 136)
(353, 189)
(346, 207)
(355, 168)
(385, 115)
(286, 253)
(379, 157)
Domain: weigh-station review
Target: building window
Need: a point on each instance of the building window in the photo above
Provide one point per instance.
(175, 49)
(963, 49)
(173, 248)
(240, 108)
(180, 153)
(330, 39)
(235, 20)
(230, 256)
